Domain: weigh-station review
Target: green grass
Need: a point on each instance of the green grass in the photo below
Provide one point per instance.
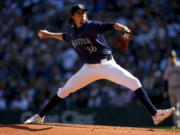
(165, 128)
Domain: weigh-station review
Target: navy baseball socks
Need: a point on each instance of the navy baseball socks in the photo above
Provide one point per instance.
(140, 93)
(143, 97)
(54, 101)
(157, 115)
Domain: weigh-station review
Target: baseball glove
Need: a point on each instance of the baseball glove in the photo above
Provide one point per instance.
(121, 41)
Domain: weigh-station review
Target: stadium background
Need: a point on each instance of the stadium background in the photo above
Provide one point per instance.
(31, 70)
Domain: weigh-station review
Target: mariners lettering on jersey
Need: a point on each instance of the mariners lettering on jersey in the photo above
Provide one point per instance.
(89, 42)
(81, 41)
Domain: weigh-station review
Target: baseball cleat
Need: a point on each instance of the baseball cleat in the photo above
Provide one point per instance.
(161, 115)
(36, 119)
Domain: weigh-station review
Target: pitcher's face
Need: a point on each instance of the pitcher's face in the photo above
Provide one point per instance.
(80, 17)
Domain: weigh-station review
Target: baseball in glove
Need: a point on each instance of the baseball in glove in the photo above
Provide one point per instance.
(121, 41)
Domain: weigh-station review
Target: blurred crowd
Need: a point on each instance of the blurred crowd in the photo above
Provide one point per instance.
(31, 70)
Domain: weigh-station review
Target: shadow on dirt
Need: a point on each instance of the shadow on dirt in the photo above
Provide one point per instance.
(25, 127)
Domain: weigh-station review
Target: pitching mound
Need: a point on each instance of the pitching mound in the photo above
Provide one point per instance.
(73, 129)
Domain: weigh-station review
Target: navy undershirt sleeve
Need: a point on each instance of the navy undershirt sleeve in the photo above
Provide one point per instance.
(64, 36)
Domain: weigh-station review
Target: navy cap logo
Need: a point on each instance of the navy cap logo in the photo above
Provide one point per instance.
(81, 6)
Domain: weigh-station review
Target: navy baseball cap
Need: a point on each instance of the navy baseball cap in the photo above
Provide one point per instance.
(77, 8)
(74, 9)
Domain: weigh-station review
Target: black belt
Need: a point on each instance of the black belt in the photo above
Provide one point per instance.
(109, 57)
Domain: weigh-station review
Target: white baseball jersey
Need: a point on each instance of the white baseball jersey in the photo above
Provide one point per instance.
(172, 75)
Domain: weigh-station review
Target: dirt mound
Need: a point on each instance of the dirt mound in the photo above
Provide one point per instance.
(73, 129)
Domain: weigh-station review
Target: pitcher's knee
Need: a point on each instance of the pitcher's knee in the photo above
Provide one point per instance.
(135, 84)
(62, 93)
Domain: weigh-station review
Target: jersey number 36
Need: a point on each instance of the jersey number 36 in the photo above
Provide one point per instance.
(91, 49)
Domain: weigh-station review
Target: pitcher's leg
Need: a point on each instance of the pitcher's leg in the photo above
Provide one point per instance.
(117, 74)
(82, 78)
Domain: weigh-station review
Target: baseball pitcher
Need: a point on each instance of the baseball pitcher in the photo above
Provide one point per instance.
(86, 37)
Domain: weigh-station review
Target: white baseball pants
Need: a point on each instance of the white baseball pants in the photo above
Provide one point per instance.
(91, 72)
(174, 95)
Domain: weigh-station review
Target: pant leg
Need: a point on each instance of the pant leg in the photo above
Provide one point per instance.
(117, 74)
(177, 113)
(173, 101)
(83, 77)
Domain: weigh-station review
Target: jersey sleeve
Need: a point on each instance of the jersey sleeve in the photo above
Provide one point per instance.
(104, 26)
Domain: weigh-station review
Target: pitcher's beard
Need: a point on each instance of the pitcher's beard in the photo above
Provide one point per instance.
(82, 21)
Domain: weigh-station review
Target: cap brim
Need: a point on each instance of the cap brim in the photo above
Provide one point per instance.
(85, 9)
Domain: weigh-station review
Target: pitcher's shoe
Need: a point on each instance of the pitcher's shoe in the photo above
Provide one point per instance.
(161, 115)
(36, 119)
